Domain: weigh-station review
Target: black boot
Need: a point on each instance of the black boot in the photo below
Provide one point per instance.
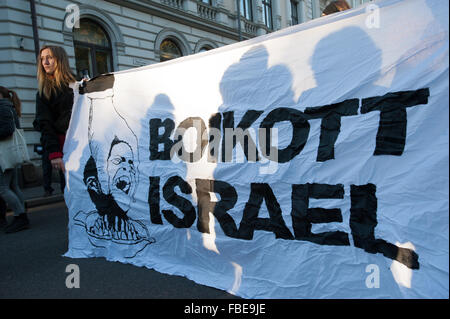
(19, 223)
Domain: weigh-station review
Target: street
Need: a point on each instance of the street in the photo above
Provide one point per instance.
(32, 266)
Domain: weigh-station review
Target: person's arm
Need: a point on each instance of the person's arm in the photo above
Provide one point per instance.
(54, 130)
(49, 134)
(65, 104)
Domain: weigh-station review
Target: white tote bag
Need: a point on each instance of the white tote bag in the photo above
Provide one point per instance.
(13, 150)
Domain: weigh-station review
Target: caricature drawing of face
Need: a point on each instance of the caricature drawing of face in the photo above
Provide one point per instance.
(121, 173)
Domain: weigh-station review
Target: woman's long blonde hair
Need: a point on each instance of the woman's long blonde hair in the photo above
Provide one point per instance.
(49, 84)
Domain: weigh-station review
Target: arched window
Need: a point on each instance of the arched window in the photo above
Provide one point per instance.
(205, 48)
(93, 53)
(267, 13)
(169, 50)
(205, 45)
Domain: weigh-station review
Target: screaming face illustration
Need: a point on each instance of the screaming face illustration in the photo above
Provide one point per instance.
(111, 178)
(109, 223)
(121, 173)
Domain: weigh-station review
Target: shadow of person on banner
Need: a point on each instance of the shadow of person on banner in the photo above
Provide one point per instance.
(347, 65)
(250, 89)
(167, 176)
(246, 181)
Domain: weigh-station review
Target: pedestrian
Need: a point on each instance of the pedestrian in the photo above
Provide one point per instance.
(54, 101)
(10, 192)
(335, 6)
(47, 165)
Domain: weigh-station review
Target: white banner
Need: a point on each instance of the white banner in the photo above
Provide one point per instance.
(308, 163)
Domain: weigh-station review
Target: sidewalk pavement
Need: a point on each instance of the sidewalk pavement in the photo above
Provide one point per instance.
(34, 196)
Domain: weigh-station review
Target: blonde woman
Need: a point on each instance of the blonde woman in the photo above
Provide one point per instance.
(54, 100)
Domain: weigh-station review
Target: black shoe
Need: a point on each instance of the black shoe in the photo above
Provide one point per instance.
(19, 223)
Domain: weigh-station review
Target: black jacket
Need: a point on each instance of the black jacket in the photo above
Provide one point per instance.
(53, 116)
(8, 118)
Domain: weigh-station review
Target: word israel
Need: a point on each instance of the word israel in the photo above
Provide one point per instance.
(363, 213)
(390, 139)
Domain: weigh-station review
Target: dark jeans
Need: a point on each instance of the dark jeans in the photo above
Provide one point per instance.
(10, 191)
(47, 174)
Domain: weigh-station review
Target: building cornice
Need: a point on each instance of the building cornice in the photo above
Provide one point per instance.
(182, 16)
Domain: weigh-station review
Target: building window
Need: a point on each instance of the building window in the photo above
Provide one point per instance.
(169, 50)
(93, 53)
(294, 12)
(205, 48)
(267, 13)
(246, 9)
(207, 2)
